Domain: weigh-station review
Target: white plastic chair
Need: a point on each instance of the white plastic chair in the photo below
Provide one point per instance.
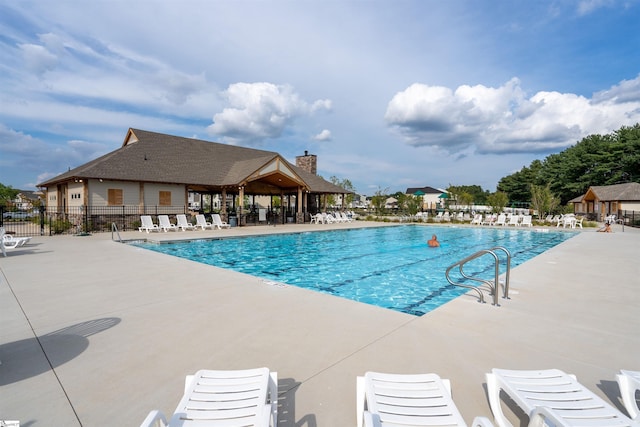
(147, 224)
(183, 224)
(551, 397)
(224, 398)
(629, 383)
(201, 221)
(217, 222)
(407, 400)
(165, 224)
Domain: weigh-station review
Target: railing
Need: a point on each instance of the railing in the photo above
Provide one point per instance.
(114, 229)
(492, 286)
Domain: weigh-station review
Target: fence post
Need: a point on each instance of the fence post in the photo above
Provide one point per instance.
(43, 211)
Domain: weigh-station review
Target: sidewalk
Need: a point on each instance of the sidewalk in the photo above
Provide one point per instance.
(122, 326)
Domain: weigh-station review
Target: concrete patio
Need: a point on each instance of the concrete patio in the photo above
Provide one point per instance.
(98, 333)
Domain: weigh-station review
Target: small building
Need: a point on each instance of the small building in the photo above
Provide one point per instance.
(158, 173)
(600, 201)
(432, 198)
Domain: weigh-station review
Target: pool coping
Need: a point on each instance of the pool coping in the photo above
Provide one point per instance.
(417, 307)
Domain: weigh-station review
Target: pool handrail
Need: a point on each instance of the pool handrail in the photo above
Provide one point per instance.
(492, 286)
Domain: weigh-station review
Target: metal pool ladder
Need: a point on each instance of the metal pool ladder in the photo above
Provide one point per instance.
(488, 285)
(114, 229)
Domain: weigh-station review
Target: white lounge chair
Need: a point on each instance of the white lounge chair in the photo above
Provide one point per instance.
(14, 242)
(218, 222)
(502, 220)
(407, 400)
(577, 223)
(489, 219)
(477, 219)
(329, 219)
(165, 224)
(10, 243)
(526, 221)
(224, 398)
(183, 224)
(629, 383)
(551, 397)
(201, 222)
(147, 224)
(514, 220)
(345, 217)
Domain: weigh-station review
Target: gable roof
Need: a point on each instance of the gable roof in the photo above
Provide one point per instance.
(629, 192)
(425, 190)
(202, 165)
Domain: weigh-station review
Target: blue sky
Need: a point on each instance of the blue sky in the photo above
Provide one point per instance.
(387, 94)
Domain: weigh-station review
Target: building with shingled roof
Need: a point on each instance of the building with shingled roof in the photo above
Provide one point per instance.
(604, 200)
(163, 171)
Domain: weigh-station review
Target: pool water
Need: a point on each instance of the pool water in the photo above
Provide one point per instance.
(390, 267)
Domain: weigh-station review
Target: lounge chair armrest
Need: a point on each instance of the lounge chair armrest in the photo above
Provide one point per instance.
(482, 422)
(273, 397)
(371, 420)
(628, 387)
(542, 416)
(155, 419)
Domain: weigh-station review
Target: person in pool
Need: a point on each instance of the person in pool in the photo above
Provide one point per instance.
(433, 243)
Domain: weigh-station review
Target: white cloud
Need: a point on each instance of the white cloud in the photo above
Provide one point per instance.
(325, 135)
(626, 91)
(37, 58)
(504, 119)
(258, 111)
(587, 6)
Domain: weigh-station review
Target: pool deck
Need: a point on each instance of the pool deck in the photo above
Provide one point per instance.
(97, 333)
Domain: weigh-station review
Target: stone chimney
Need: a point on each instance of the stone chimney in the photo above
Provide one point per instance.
(308, 162)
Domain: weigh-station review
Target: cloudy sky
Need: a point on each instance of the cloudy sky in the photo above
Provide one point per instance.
(388, 94)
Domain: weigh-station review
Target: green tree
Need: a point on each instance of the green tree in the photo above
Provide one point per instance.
(595, 160)
(347, 185)
(497, 201)
(7, 195)
(378, 200)
(411, 203)
(542, 200)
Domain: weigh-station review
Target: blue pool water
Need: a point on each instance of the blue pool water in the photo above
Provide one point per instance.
(391, 267)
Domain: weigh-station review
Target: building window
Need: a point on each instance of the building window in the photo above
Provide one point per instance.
(114, 196)
(165, 198)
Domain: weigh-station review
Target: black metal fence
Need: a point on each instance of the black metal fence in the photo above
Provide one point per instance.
(630, 218)
(81, 219)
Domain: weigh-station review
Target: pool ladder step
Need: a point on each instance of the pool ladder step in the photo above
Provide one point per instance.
(485, 285)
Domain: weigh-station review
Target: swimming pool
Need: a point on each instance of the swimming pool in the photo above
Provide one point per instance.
(390, 267)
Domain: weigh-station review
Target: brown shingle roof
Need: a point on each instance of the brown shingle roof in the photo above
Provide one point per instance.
(155, 157)
(618, 192)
